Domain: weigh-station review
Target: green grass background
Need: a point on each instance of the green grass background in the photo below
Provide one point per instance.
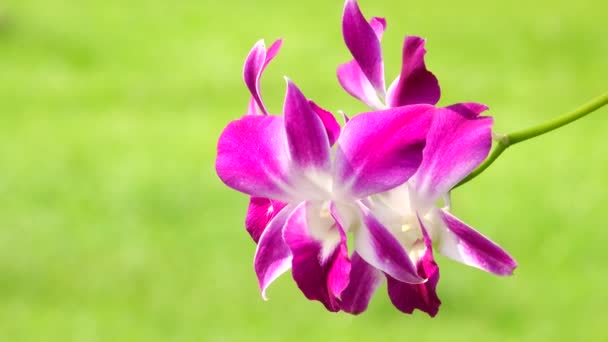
(114, 226)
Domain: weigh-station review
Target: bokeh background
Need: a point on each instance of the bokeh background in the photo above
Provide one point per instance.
(114, 226)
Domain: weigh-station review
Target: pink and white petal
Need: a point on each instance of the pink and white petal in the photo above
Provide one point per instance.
(407, 297)
(364, 45)
(378, 151)
(259, 213)
(353, 80)
(464, 244)
(378, 24)
(252, 107)
(320, 264)
(415, 84)
(252, 157)
(364, 280)
(332, 127)
(306, 136)
(355, 83)
(254, 64)
(272, 256)
(470, 110)
(455, 146)
(381, 249)
(272, 51)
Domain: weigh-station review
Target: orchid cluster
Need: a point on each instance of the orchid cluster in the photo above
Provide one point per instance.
(383, 179)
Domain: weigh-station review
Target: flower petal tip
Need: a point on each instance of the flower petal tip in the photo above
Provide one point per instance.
(345, 117)
(469, 110)
(362, 40)
(511, 270)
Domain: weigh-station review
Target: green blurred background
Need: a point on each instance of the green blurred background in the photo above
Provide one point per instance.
(114, 226)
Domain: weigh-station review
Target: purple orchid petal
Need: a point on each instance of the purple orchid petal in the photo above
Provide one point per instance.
(455, 146)
(252, 157)
(364, 280)
(255, 63)
(407, 297)
(259, 213)
(355, 83)
(379, 26)
(363, 43)
(320, 264)
(415, 84)
(272, 256)
(462, 243)
(470, 110)
(273, 50)
(380, 150)
(252, 107)
(306, 135)
(332, 127)
(379, 247)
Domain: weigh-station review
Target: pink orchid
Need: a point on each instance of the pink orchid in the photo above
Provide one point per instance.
(455, 146)
(457, 142)
(363, 77)
(288, 159)
(379, 178)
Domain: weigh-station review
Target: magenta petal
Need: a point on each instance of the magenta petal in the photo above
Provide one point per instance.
(464, 244)
(306, 136)
(272, 256)
(378, 25)
(259, 213)
(470, 110)
(355, 83)
(379, 247)
(407, 297)
(380, 150)
(252, 156)
(364, 45)
(455, 146)
(273, 50)
(415, 84)
(364, 280)
(320, 264)
(252, 107)
(255, 63)
(332, 127)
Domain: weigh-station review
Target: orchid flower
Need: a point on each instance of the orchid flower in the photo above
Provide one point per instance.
(262, 210)
(288, 159)
(407, 211)
(458, 141)
(379, 178)
(363, 77)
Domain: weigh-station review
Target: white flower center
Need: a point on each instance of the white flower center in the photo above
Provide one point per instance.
(397, 211)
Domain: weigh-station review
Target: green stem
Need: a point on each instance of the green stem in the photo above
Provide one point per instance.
(504, 141)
